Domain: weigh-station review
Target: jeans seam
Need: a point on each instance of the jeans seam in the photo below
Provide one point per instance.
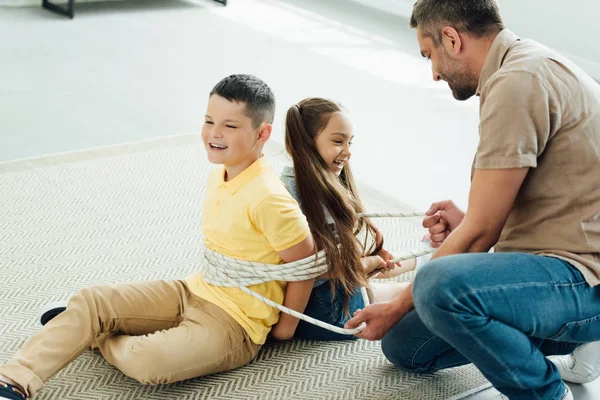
(322, 303)
(412, 361)
(436, 369)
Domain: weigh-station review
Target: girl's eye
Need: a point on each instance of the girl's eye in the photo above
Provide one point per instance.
(338, 142)
(209, 122)
(231, 126)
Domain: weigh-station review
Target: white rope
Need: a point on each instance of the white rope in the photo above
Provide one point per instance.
(402, 214)
(220, 270)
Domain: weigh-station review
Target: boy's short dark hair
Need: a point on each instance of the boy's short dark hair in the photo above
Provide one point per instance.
(478, 18)
(248, 89)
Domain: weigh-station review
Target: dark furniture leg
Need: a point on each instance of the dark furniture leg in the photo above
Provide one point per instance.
(67, 11)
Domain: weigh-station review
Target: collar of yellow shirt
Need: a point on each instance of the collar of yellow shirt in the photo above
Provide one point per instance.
(255, 169)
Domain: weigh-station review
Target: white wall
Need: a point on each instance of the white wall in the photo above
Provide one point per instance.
(398, 7)
(570, 27)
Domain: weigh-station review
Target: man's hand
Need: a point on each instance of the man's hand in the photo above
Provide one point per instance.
(442, 218)
(380, 319)
(491, 198)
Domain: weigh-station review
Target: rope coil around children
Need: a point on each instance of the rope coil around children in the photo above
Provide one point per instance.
(220, 270)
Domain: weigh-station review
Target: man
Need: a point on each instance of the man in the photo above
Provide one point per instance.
(534, 198)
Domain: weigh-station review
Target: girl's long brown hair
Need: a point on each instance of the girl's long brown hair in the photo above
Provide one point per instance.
(319, 189)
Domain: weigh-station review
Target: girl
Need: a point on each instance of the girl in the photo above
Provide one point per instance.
(318, 137)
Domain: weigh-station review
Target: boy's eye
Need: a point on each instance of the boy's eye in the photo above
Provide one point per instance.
(209, 122)
(231, 126)
(338, 142)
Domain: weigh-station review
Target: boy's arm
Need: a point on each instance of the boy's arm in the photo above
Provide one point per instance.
(296, 293)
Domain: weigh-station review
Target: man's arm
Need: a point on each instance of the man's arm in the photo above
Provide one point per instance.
(492, 195)
(491, 198)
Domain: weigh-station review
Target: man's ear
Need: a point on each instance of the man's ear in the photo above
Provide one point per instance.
(264, 132)
(451, 40)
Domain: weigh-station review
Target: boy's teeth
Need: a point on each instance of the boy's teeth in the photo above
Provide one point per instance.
(218, 146)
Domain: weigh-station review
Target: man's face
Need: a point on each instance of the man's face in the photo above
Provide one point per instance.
(446, 67)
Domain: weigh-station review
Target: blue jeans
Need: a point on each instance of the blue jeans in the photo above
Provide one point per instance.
(504, 312)
(323, 307)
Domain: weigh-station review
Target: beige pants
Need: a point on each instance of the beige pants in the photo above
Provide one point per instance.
(155, 332)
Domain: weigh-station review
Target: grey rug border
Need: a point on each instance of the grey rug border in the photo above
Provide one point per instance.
(52, 159)
(272, 149)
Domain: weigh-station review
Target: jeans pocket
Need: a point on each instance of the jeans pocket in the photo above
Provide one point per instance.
(586, 330)
(330, 308)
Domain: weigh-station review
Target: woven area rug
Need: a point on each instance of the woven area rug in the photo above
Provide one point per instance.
(132, 212)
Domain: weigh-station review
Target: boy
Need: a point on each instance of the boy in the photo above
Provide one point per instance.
(167, 331)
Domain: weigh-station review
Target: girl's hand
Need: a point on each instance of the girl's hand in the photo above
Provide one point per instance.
(375, 264)
(387, 256)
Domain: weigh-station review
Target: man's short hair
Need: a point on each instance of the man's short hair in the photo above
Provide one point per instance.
(477, 18)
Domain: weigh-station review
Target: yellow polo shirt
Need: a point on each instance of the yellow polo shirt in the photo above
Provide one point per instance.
(251, 218)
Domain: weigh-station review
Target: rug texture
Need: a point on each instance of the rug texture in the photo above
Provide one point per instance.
(132, 212)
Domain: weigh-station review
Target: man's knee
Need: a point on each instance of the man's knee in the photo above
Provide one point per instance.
(439, 285)
(433, 284)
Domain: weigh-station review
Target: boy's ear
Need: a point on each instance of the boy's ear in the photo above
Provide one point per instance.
(264, 132)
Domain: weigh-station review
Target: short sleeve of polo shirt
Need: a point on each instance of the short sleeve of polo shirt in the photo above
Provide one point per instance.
(515, 121)
(280, 220)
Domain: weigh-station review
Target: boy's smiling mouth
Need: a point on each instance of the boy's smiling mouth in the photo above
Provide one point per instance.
(216, 146)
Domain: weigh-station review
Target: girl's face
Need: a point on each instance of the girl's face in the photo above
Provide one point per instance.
(334, 141)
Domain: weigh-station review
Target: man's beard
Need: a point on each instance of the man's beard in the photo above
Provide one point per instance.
(463, 92)
(460, 80)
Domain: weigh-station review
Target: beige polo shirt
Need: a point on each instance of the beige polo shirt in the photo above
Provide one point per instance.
(539, 110)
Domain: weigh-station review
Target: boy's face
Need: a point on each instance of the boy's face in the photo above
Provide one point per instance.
(228, 134)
